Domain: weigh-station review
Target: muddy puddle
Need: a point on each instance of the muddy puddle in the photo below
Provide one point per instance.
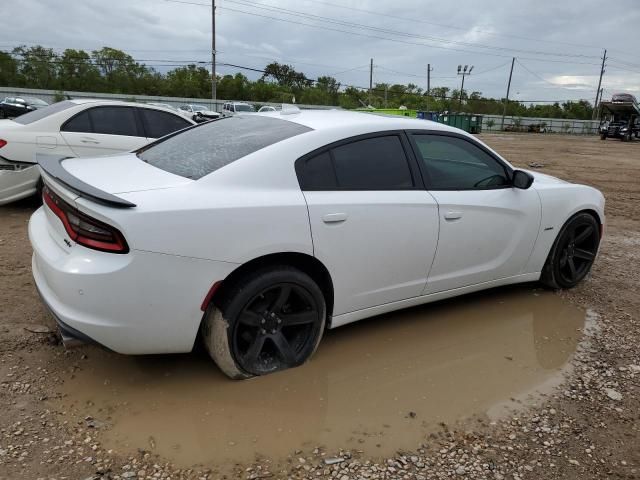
(379, 385)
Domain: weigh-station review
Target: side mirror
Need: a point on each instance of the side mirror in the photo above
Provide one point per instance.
(522, 179)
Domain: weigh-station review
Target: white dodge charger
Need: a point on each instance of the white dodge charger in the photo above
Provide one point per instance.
(260, 231)
(75, 128)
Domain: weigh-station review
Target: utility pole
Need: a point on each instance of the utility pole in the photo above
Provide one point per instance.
(506, 102)
(213, 53)
(386, 87)
(595, 106)
(370, 80)
(464, 73)
(428, 83)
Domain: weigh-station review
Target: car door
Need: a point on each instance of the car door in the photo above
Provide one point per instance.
(103, 130)
(373, 225)
(487, 227)
(158, 123)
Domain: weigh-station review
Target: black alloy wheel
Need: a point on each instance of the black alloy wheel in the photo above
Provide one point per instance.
(264, 321)
(573, 253)
(277, 329)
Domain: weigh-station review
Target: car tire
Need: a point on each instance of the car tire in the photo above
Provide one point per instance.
(270, 320)
(603, 136)
(2, 113)
(573, 252)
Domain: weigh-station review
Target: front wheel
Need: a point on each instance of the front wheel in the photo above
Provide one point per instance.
(269, 321)
(573, 252)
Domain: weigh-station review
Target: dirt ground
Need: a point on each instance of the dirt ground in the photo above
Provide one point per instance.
(82, 413)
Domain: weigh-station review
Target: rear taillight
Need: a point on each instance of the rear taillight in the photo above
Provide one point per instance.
(2, 143)
(83, 229)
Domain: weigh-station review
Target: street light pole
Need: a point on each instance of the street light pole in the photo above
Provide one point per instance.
(213, 52)
(464, 72)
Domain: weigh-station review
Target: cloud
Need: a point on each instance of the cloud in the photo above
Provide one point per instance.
(555, 40)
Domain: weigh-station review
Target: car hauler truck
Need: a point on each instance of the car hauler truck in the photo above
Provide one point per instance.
(621, 117)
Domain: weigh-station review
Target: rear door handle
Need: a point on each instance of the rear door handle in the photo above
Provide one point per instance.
(452, 215)
(334, 217)
(89, 140)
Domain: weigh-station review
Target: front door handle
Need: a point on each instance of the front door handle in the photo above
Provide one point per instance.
(453, 215)
(334, 217)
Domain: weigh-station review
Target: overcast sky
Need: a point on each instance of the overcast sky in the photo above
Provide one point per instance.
(558, 43)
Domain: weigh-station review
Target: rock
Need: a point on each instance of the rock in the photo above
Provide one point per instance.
(38, 329)
(613, 394)
(129, 474)
(333, 460)
(634, 368)
(460, 470)
(574, 462)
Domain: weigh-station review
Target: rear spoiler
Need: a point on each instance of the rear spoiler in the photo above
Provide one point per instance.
(52, 166)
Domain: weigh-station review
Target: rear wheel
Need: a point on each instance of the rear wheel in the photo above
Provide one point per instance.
(573, 252)
(272, 320)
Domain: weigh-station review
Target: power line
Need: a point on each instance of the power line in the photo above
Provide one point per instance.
(320, 18)
(456, 27)
(544, 79)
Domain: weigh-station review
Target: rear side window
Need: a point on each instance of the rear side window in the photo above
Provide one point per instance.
(200, 150)
(114, 121)
(377, 163)
(158, 124)
(43, 112)
(79, 123)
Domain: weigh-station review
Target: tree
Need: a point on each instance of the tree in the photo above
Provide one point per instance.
(286, 76)
(8, 69)
(37, 66)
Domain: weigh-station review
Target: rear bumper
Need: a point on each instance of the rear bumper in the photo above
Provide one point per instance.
(18, 184)
(137, 303)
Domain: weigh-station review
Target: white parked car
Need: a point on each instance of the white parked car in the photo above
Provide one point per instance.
(231, 108)
(75, 128)
(267, 108)
(262, 230)
(199, 113)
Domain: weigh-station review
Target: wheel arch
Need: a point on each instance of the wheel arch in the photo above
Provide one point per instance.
(302, 261)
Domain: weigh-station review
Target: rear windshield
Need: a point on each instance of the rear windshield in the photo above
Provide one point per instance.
(43, 112)
(200, 150)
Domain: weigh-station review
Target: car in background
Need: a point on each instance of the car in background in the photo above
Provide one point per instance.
(231, 108)
(267, 108)
(257, 231)
(199, 113)
(76, 128)
(623, 98)
(12, 107)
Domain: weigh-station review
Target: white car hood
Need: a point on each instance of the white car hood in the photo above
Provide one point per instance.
(544, 178)
(121, 174)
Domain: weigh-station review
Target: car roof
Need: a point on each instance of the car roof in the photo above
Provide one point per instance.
(332, 119)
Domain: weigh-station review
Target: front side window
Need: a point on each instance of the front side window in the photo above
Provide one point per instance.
(453, 163)
(377, 163)
(200, 150)
(158, 124)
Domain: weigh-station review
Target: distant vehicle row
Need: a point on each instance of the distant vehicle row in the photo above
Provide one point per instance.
(76, 128)
(15, 106)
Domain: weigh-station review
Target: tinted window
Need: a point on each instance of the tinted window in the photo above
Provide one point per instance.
(114, 121)
(456, 164)
(372, 164)
(201, 150)
(43, 112)
(79, 123)
(158, 124)
(316, 173)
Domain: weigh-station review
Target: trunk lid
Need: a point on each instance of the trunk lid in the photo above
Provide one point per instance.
(122, 173)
